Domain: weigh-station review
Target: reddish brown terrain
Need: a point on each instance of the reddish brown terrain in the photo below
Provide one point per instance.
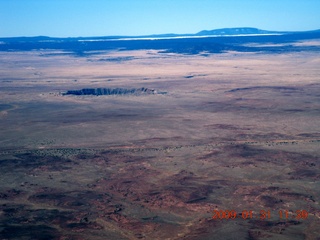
(229, 131)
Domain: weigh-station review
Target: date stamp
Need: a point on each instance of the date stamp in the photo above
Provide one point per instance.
(262, 214)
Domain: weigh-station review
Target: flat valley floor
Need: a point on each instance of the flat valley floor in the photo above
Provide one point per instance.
(230, 151)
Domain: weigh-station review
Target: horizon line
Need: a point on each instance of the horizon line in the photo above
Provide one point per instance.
(177, 34)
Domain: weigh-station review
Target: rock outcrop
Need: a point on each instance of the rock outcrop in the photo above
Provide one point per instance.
(112, 91)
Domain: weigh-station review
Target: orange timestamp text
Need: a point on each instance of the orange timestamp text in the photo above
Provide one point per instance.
(262, 214)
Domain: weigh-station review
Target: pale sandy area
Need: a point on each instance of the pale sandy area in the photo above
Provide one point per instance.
(233, 131)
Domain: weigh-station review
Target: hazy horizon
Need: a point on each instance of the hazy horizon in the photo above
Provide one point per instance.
(85, 18)
(190, 34)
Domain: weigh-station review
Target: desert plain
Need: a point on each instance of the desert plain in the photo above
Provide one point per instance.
(228, 131)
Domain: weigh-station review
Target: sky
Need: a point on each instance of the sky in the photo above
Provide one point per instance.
(76, 18)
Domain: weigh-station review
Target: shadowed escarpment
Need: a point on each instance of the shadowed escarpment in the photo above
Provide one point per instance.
(113, 91)
(275, 88)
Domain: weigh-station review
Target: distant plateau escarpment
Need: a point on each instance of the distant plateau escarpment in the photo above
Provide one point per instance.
(113, 91)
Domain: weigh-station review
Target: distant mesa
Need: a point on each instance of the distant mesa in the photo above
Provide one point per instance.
(113, 91)
(204, 42)
(236, 31)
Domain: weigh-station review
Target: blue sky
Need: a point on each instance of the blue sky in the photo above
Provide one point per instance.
(72, 18)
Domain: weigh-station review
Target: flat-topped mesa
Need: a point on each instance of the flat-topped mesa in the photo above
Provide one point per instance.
(112, 91)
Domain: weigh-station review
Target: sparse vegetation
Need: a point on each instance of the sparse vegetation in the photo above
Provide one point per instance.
(237, 130)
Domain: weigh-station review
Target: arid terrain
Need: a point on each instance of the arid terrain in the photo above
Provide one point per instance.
(186, 135)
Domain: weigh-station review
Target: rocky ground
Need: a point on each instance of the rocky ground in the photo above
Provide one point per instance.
(234, 131)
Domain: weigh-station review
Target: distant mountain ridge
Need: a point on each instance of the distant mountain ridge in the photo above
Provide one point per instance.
(242, 31)
(218, 32)
(236, 31)
(203, 42)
